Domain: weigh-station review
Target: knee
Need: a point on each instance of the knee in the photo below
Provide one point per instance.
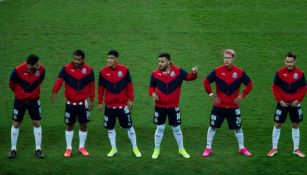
(36, 123)
(176, 128)
(161, 128)
(238, 130)
(295, 125)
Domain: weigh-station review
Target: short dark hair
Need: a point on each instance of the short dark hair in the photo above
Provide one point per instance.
(290, 54)
(79, 53)
(166, 55)
(32, 59)
(114, 53)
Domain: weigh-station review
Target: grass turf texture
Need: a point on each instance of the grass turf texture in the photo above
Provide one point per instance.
(195, 33)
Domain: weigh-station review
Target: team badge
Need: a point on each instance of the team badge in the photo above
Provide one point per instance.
(37, 73)
(172, 74)
(295, 76)
(120, 74)
(235, 75)
(84, 71)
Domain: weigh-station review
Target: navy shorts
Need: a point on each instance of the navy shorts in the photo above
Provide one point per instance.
(173, 114)
(123, 114)
(233, 116)
(20, 107)
(295, 113)
(76, 110)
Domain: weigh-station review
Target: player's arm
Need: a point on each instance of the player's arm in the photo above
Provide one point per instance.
(13, 80)
(152, 88)
(58, 84)
(207, 85)
(91, 90)
(277, 91)
(130, 91)
(301, 91)
(101, 92)
(248, 86)
(192, 75)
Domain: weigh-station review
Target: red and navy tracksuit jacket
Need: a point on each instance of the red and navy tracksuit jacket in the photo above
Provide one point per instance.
(26, 84)
(168, 85)
(289, 85)
(227, 83)
(79, 83)
(115, 87)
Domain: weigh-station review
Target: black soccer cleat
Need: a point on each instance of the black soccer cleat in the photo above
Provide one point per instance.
(12, 154)
(39, 154)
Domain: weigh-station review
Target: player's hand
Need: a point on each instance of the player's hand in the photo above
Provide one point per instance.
(90, 105)
(130, 104)
(195, 69)
(155, 97)
(214, 98)
(100, 107)
(283, 104)
(53, 97)
(238, 99)
(294, 103)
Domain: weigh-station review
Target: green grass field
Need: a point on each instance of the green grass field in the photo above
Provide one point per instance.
(195, 33)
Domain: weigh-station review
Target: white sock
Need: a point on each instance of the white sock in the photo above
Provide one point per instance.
(132, 136)
(159, 135)
(240, 137)
(210, 135)
(68, 136)
(296, 138)
(275, 137)
(178, 136)
(14, 137)
(112, 137)
(82, 138)
(37, 131)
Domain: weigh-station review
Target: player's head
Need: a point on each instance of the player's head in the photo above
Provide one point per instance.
(164, 61)
(78, 58)
(33, 62)
(113, 56)
(290, 60)
(229, 56)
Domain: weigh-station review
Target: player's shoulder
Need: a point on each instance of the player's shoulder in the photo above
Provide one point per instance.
(298, 70)
(237, 68)
(21, 66)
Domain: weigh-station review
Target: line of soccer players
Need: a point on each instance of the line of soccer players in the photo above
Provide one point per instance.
(116, 96)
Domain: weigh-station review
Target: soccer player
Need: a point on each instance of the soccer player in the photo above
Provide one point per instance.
(115, 89)
(79, 86)
(25, 82)
(164, 88)
(289, 89)
(228, 79)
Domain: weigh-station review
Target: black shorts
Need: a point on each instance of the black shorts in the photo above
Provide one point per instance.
(20, 107)
(76, 110)
(295, 113)
(123, 114)
(233, 116)
(173, 114)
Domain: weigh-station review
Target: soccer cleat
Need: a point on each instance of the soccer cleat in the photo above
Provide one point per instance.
(112, 153)
(184, 153)
(12, 154)
(137, 152)
(84, 152)
(156, 153)
(67, 153)
(245, 152)
(207, 152)
(272, 152)
(39, 154)
(299, 153)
